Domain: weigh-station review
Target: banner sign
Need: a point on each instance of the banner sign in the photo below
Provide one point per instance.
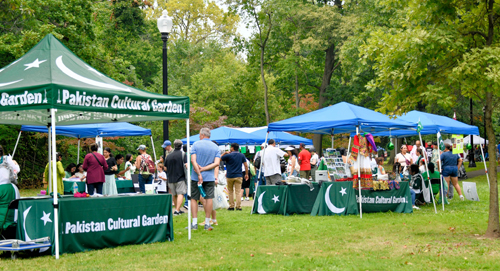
(396, 200)
(87, 224)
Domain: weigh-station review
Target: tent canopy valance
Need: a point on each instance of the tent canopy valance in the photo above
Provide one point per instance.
(281, 138)
(225, 135)
(51, 76)
(432, 125)
(340, 118)
(93, 130)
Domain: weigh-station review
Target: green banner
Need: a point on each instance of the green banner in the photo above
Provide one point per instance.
(94, 223)
(123, 186)
(396, 200)
(335, 198)
(285, 199)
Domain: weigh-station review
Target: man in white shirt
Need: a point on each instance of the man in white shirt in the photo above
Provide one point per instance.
(413, 153)
(272, 168)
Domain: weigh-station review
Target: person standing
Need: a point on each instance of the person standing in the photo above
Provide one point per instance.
(314, 163)
(95, 164)
(174, 164)
(260, 176)
(129, 167)
(450, 165)
(167, 146)
(205, 157)
(234, 159)
(414, 155)
(404, 159)
(60, 173)
(272, 168)
(8, 192)
(109, 186)
(245, 186)
(145, 177)
(305, 162)
(293, 167)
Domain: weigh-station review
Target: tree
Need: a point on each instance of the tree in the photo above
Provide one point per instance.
(434, 51)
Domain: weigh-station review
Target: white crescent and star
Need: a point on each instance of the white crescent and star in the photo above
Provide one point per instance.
(25, 214)
(46, 218)
(329, 203)
(34, 64)
(276, 198)
(342, 191)
(260, 210)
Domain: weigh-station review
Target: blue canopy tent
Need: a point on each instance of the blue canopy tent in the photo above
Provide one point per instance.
(341, 118)
(98, 130)
(281, 138)
(225, 135)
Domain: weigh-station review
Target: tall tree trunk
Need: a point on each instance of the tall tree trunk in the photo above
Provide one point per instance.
(297, 100)
(327, 76)
(493, 230)
(262, 48)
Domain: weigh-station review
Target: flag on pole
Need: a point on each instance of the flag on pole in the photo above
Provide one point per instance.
(454, 115)
(419, 126)
(440, 141)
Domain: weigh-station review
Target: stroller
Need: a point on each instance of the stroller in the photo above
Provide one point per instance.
(462, 174)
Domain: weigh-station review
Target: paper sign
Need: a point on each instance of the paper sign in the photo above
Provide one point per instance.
(470, 191)
(243, 149)
(251, 149)
(458, 144)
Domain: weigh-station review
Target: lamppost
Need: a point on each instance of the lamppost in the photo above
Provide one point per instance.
(164, 24)
(472, 162)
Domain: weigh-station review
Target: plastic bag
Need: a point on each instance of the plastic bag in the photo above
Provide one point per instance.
(220, 201)
(222, 178)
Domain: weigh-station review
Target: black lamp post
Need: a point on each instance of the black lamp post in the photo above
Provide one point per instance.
(472, 161)
(164, 24)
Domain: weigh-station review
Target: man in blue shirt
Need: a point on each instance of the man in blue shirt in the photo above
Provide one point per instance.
(234, 160)
(205, 157)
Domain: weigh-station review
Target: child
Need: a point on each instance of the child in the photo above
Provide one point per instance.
(129, 166)
(162, 178)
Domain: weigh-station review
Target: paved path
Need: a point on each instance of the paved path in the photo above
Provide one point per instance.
(476, 173)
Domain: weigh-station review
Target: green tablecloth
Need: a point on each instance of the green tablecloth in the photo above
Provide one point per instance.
(396, 200)
(94, 223)
(335, 198)
(285, 199)
(123, 186)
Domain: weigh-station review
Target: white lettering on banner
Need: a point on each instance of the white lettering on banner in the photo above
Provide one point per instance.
(23, 99)
(381, 200)
(115, 224)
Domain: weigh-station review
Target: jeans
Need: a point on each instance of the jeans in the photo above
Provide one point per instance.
(96, 186)
(143, 181)
(412, 197)
(262, 179)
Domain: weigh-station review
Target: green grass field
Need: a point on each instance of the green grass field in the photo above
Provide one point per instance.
(449, 240)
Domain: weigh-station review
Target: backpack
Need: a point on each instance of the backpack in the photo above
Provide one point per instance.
(147, 165)
(257, 161)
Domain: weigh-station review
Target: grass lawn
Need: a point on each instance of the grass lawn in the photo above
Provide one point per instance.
(449, 240)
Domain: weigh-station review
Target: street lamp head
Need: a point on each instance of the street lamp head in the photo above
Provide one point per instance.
(164, 23)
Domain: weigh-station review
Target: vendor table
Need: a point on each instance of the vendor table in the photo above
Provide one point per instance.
(342, 199)
(94, 223)
(123, 186)
(285, 199)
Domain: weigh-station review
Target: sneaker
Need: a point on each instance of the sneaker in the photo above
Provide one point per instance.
(186, 207)
(462, 197)
(214, 223)
(193, 227)
(181, 212)
(242, 198)
(247, 198)
(238, 209)
(416, 208)
(230, 209)
(208, 228)
(176, 213)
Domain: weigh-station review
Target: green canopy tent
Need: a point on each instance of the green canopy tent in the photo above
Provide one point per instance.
(51, 86)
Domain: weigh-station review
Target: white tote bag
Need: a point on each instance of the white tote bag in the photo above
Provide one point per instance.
(220, 201)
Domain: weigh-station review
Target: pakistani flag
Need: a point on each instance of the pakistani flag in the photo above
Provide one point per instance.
(419, 126)
(440, 141)
(269, 199)
(36, 220)
(335, 198)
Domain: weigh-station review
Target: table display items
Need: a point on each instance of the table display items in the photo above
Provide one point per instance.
(335, 165)
(363, 147)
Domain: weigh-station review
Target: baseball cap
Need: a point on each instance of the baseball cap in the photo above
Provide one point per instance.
(141, 147)
(263, 145)
(166, 143)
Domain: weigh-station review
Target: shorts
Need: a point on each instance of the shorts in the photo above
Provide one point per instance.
(178, 188)
(273, 179)
(245, 184)
(305, 174)
(450, 171)
(207, 186)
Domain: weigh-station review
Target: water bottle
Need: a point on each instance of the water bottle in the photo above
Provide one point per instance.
(75, 187)
(202, 191)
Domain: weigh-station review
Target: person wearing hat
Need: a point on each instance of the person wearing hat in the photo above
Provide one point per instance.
(144, 176)
(167, 146)
(262, 179)
(304, 162)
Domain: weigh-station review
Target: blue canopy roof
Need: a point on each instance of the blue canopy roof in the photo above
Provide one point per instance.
(340, 118)
(226, 135)
(93, 130)
(432, 124)
(282, 138)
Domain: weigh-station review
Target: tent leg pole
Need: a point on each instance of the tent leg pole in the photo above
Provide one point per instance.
(17, 142)
(48, 179)
(349, 147)
(359, 179)
(260, 171)
(443, 196)
(78, 153)
(154, 154)
(484, 161)
(188, 154)
(54, 182)
(428, 176)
